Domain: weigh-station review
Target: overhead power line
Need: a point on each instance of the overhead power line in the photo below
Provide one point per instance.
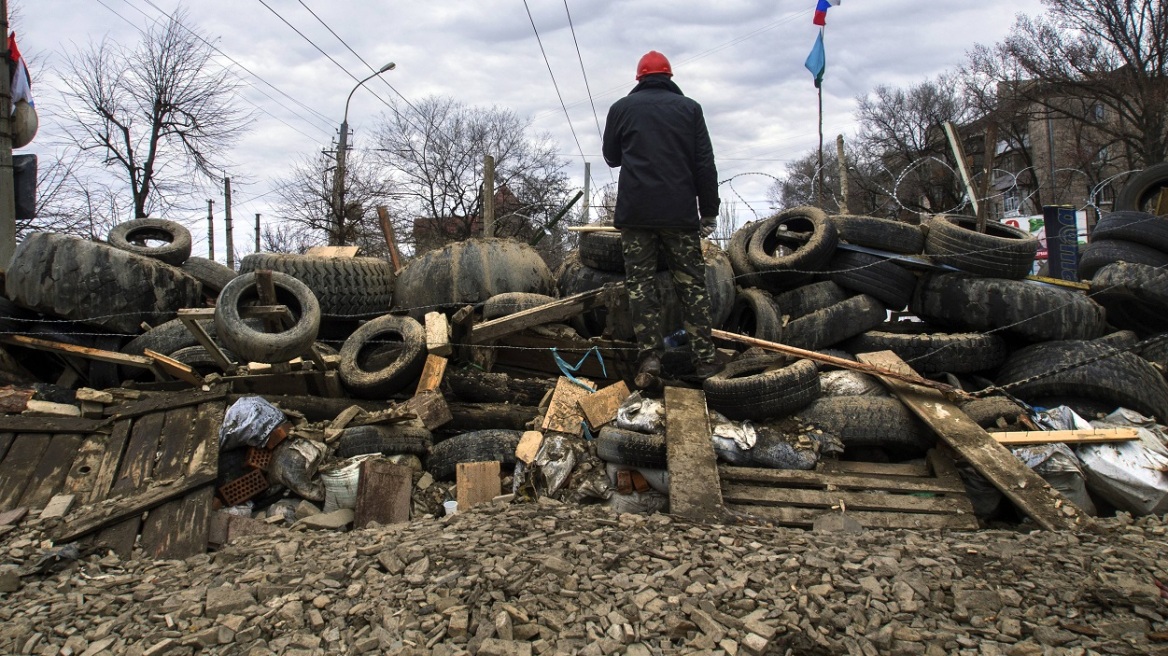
(554, 83)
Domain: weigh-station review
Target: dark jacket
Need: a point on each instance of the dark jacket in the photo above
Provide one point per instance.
(659, 139)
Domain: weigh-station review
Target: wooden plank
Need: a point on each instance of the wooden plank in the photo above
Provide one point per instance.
(438, 334)
(475, 483)
(1162, 202)
(133, 477)
(111, 458)
(161, 526)
(430, 407)
(564, 308)
(78, 351)
(1082, 436)
(897, 469)
(875, 501)
(130, 506)
(83, 473)
(162, 402)
(6, 440)
(332, 251)
(1026, 489)
(175, 368)
(383, 493)
(50, 473)
(529, 444)
(193, 519)
(196, 329)
(805, 517)
(563, 414)
(266, 293)
(432, 374)
(600, 408)
(387, 231)
(800, 478)
(16, 470)
(25, 424)
(694, 489)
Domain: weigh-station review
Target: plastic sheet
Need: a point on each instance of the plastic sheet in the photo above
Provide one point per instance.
(1058, 465)
(641, 414)
(248, 422)
(555, 461)
(842, 382)
(1132, 476)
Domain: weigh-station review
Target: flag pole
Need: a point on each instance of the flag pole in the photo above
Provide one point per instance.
(819, 90)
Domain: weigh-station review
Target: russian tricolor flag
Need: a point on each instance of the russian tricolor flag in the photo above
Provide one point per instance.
(20, 84)
(821, 11)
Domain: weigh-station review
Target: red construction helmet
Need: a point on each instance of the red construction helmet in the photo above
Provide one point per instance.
(653, 62)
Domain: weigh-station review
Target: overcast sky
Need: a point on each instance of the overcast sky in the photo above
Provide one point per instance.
(742, 59)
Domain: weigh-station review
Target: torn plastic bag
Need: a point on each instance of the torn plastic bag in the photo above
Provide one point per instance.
(639, 502)
(842, 382)
(658, 479)
(340, 482)
(1058, 465)
(1132, 476)
(732, 439)
(248, 422)
(554, 461)
(1061, 418)
(294, 463)
(640, 414)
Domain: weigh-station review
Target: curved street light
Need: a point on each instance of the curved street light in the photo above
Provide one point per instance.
(339, 178)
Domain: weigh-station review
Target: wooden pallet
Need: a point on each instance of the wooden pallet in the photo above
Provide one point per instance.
(158, 455)
(917, 495)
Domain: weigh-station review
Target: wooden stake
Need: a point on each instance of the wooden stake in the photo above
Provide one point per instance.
(387, 232)
(963, 168)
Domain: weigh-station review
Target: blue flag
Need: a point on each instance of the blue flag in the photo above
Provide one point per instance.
(817, 61)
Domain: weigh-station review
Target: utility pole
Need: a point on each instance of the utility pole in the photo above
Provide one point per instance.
(587, 179)
(7, 190)
(210, 230)
(337, 234)
(257, 232)
(227, 217)
(488, 196)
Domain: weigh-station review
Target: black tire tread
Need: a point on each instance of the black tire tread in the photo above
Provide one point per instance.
(1002, 251)
(346, 287)
(631, 448)
(762, 388)
(389, 440)
(475, 446)
(176, 249)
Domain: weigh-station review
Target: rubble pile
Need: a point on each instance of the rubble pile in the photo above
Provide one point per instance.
(552, 578)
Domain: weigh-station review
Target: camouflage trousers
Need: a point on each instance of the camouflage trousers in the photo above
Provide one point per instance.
(682, 254)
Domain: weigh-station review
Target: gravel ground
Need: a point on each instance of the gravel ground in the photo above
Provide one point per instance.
(552, 578)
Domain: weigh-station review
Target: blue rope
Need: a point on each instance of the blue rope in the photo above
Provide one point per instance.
(568, 369)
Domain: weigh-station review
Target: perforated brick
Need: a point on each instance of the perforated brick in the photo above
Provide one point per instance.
(243, 488)
(258, 458)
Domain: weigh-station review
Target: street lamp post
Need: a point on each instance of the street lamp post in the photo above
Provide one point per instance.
(338, 236)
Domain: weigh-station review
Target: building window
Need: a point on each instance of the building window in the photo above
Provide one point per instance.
(1098, 112)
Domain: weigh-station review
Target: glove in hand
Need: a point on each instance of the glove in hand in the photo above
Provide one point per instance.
(709, 224)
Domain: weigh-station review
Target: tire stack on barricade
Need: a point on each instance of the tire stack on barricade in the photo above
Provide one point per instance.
(100, 295)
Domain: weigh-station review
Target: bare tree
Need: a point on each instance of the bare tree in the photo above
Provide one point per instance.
(155, 114)
(1086, 58)
(901, 129)
(306, 206)
(870, 189)
(435, 149)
